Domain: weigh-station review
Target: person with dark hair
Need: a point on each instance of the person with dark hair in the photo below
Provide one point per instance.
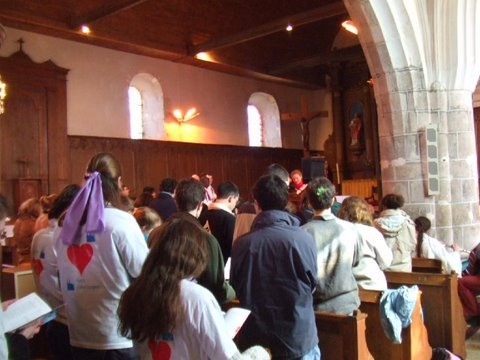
(337, 289)
(100, 249)
(398, 229)
(375, 254)
(430, 248)
(142, 200)
(189, 196)
(278, 170)
(164, 204)
(273, 271)
(150, 190)
(166, 292)
(220, 216)
(45, 274)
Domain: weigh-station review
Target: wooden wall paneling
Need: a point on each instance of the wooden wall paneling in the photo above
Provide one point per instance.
(35, 118)
(81, 151)
(182, 159)
(147, 162)
(258, 160)
(235, 169)
(58, 155)
(151, 164)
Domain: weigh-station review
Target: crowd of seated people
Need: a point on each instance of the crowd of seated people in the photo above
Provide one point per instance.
(137, 275)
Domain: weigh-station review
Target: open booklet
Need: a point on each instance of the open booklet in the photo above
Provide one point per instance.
(234, 319)
(26, 311)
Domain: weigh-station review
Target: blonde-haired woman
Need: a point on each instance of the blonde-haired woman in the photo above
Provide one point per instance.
(375, 253)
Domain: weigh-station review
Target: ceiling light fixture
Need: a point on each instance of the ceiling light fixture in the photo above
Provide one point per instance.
(204, 56)
(350, 26)
(289, 27)
(189, 115)
(85, 29)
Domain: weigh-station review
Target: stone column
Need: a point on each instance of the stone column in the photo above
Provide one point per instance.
(424, 58)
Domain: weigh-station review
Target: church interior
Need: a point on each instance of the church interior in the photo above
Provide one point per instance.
(390, 106)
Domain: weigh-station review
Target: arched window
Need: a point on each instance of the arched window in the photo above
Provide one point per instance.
(136, 113)
(255, 126)
(263, 121)
(147, 119)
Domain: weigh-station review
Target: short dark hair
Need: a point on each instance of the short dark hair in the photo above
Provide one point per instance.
(149, 189)
(393, 201)
(320, 192)
(204, 180)
(188, 194)
(279, 170)
(63, 200)
(227, 189)
(168, 185)
(271, 193)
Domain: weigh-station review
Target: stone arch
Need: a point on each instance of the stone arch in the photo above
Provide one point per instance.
(424, 57)
(268, 109)
(153, 105)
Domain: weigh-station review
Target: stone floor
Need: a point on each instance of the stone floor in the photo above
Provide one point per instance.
(473, 344)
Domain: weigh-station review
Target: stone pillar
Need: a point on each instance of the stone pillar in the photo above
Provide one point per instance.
(422, 56)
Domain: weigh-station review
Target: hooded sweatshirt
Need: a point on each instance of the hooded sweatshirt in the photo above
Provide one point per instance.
(399, 232)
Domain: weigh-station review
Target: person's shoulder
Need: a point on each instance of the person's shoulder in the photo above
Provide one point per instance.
(117, 218)
(194, 292)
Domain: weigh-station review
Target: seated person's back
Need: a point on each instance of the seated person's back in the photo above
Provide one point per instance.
(338, 251)
(273, 271)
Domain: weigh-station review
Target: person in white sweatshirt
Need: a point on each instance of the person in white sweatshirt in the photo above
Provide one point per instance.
(430, 248)
(398, 229)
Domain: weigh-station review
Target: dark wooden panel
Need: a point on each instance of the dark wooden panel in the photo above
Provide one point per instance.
(146, 162)
(34, 125)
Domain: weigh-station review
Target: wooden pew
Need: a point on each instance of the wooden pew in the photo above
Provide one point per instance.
(424, 265)
(342, 337)
(442, 309)
(414, 344)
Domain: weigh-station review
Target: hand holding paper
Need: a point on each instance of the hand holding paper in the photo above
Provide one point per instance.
(234, 319)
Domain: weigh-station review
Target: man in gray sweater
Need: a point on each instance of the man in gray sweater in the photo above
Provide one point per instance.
(338, 251)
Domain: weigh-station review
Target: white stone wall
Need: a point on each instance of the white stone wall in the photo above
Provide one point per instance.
(98, 81)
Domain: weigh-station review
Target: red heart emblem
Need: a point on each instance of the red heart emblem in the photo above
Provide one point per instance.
(37, 266)
(160, 350)
(80, 256)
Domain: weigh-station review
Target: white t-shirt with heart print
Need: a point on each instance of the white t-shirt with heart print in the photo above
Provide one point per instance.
(94, 272)
(202, 336)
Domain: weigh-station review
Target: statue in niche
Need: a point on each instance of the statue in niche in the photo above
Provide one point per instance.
(355, 129)
(356, 126)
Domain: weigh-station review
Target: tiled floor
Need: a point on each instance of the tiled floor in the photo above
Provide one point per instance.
(473, 346)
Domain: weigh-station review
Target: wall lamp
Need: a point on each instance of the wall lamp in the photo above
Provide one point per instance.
(189, 115)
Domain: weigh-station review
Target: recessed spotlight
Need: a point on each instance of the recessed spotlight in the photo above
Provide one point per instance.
(289, 27)
(85, 29)
(204, 56)
(350, 26)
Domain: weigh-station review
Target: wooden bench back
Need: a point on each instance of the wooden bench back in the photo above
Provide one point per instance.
(442, 309)
(414, 344)
(424, 265)
(342, 336)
